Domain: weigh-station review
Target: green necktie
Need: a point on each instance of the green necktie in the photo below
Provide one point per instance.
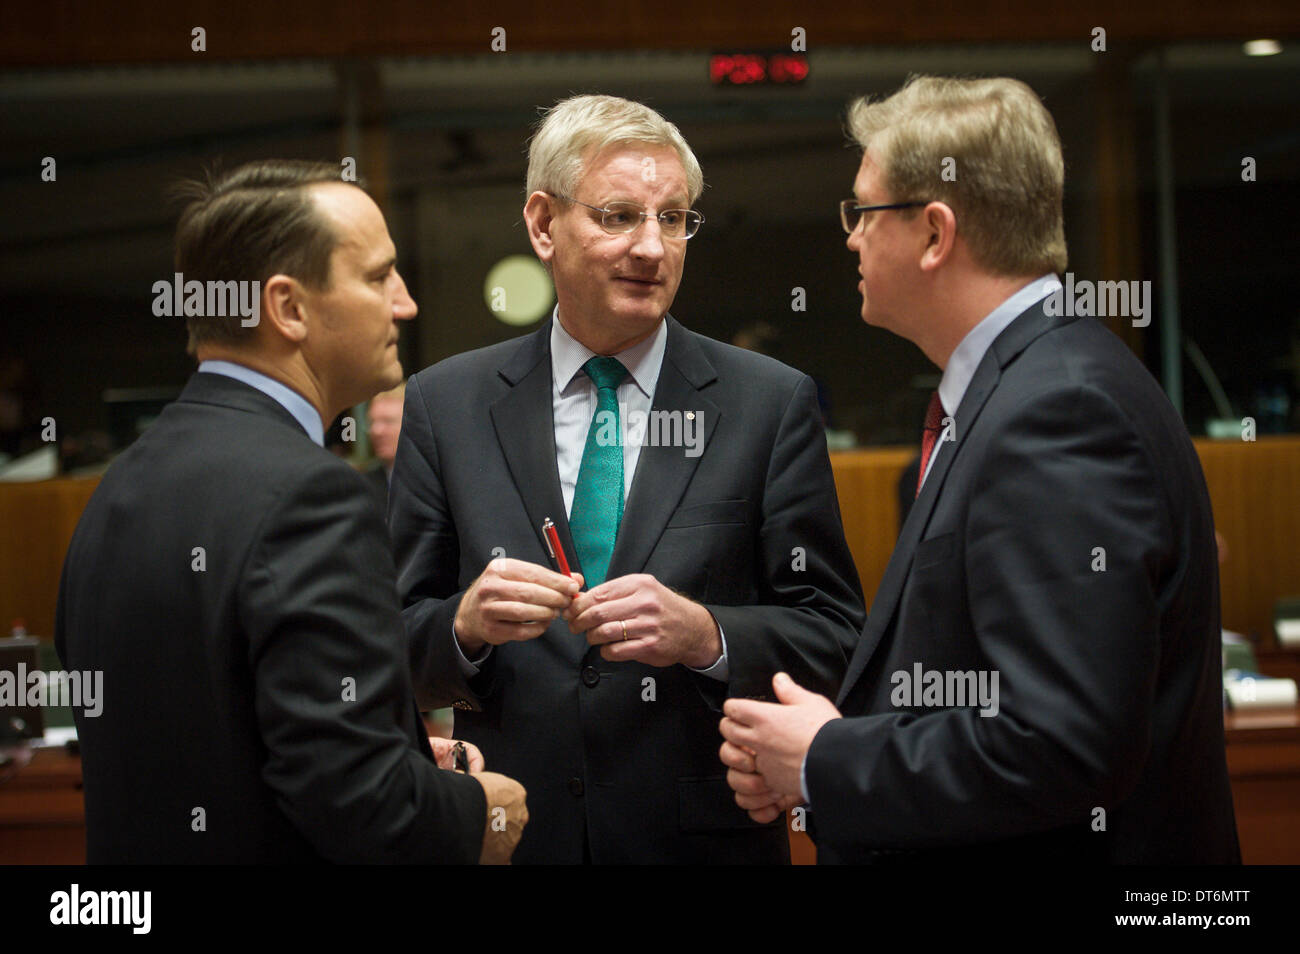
(598, 497)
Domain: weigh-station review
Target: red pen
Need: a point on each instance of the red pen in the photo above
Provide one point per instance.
(553, 545)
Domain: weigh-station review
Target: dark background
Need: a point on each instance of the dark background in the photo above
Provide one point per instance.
(439, 123)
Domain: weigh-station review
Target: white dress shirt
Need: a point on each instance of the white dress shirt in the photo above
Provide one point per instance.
(573, 405)
(573, 400)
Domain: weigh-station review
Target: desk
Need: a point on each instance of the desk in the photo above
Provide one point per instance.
(1263, 750)
(42, 811)
(1264, 765)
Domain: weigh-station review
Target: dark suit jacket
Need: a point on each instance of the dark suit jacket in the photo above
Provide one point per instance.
(624, 755)
(227, 687)
(1109, 679)
(377, 483)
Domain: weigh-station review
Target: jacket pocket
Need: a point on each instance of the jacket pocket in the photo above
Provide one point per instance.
(710, 514)
(932, 551)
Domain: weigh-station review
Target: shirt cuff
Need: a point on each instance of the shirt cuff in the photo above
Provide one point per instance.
(468, 668)
(803, 779)
(720, 670)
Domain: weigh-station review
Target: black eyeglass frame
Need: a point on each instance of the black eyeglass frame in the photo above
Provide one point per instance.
(850, 205)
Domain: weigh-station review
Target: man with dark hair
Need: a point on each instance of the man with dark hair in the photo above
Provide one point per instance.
(233, 581)
(268, 206)
(1039, 678)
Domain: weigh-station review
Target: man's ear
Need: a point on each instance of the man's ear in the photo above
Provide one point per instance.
(539, 214)
(941, 235)
(283, 309)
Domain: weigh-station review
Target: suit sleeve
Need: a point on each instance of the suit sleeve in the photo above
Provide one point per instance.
(1076, 648)
(333, 691)
(813, 611)
(427, 552)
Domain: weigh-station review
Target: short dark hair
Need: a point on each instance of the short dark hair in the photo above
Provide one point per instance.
(247, 224)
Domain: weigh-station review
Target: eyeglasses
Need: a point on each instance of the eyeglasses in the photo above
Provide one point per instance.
(620, 218)
(851, 212)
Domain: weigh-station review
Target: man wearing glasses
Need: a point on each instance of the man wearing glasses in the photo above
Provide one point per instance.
(1039, 679)
(691, 491)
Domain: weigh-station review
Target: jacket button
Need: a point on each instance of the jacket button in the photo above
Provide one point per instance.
(590, 677)
(575, 786)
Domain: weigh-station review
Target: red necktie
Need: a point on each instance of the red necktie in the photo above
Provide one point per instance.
(933, 425)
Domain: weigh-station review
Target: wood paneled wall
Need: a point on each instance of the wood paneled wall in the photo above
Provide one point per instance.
(36, 524)
(145, 31)
(1254, 486)
(867, 482)
(1254, 489)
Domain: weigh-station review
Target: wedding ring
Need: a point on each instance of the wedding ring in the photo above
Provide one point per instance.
(623, 623)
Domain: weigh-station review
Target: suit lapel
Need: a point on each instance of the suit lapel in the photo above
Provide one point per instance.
(525, 428)
(663, 473)
(1014, 339)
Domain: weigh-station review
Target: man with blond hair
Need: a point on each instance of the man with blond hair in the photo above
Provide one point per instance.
(1039, 678)
(689, 485)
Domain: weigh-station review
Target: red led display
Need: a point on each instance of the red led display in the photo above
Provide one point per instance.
(749, 69)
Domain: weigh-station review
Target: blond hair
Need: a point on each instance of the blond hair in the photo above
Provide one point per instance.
(577, 128)
(987, 148)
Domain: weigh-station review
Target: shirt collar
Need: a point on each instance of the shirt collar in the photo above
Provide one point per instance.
(643, 360)
(286, 397)
(968, 355)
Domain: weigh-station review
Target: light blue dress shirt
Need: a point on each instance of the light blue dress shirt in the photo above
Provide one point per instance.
(960, 371)
(970, 352)
(285, 396)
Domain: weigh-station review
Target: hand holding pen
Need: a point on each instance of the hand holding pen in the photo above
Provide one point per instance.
(456, 756)
(513, 600)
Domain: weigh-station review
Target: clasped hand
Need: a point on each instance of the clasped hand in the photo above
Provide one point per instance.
(766, 743)
(633, 617)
